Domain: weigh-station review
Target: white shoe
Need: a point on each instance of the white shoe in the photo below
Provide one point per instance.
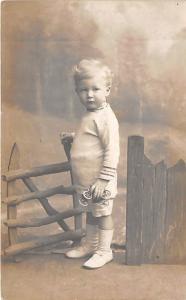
(88, 246)
(80, 252)
(103, 255)
(98, 260)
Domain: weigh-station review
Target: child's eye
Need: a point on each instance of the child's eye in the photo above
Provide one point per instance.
(83, 90)
(96, 89)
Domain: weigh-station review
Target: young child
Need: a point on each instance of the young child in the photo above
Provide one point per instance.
(94, 159)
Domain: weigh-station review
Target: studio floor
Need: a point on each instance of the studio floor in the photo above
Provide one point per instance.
(53, 277)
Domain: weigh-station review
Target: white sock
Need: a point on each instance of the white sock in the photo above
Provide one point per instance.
(105, 240)
(92, 235)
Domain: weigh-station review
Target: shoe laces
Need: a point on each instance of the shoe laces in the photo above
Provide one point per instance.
(100, 252)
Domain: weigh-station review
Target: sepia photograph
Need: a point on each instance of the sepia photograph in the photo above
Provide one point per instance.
(93, 143)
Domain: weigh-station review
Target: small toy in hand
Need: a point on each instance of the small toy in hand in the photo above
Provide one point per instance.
(87, 196)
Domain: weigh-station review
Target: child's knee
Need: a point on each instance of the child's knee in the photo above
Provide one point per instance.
(91, 219)
(106, 222)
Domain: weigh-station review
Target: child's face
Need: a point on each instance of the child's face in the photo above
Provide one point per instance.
(93, 91)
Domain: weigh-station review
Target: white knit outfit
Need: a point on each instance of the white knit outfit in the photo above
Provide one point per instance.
(95, 154)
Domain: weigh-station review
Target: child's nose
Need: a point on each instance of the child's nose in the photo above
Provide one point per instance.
(90, 93)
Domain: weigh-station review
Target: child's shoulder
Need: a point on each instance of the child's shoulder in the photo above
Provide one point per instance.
(106, 116)
(108, 113)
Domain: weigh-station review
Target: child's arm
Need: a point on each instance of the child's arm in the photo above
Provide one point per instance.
(108, 131)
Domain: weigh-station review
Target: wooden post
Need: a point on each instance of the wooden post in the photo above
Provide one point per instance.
(77, 219)
(147, 209)
(157, 251)
(13, 164)
(134, 199)
(175, 222)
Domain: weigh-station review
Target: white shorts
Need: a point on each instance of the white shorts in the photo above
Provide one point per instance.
(103, 208)
(99, 209)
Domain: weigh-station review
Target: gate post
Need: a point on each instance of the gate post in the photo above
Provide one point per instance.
(135, 158)
(78, 220)
(13, 164)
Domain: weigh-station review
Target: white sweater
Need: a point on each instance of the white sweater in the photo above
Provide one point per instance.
(95, 149)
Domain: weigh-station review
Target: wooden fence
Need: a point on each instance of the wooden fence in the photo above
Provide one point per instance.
(156, 209)
(12, 200)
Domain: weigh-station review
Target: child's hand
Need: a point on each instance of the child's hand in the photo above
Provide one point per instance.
(67, 137)
(98, 188)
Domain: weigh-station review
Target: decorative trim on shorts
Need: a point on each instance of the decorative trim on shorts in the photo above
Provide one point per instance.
(100, 209)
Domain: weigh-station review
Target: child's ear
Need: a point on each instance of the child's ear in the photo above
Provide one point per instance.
(76, 90)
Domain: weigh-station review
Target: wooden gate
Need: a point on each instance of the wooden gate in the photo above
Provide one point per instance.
(12, 200)
(156, 209)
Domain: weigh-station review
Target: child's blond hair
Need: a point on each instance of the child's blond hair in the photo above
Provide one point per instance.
(86, 67)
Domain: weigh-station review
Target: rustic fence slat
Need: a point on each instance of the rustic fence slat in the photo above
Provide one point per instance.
(37, 171)
(183, 195)
(45, 204)
(147, 208)
(134, 199)
(78, 220)
(37, 222)
(42, 241)
(67, 147)
(175, 231)
(14, 200)
(156, 253)
(13, 164)
(156, 209)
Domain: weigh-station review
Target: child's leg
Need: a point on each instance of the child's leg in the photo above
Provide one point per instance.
(91, 220)
(103, 253)
(105, 222)
(90, 243)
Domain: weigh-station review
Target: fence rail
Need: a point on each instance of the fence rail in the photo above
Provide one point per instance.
(15, 200)
(22, 247)
(37, 222)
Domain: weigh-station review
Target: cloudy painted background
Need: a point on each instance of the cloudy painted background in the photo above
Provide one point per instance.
(144, 42)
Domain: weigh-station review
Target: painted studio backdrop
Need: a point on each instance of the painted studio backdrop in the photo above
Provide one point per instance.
(144, 43)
